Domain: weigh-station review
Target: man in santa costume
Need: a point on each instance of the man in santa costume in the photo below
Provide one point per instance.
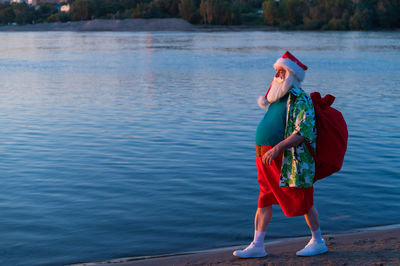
(285, 166)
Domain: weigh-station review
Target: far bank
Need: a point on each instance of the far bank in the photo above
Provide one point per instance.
(154, 24)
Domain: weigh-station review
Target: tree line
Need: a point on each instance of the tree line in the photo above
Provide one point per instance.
(285, 14)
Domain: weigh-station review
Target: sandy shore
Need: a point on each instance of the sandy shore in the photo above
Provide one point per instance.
(380, 246)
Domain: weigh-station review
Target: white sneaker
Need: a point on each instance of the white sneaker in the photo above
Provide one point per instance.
(251, 252)
(312, 248)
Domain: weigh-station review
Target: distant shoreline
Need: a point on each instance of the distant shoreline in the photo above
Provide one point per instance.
(138, 25)
(170, 24)
(153, 24)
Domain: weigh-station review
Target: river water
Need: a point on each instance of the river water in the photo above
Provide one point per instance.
(129, 144)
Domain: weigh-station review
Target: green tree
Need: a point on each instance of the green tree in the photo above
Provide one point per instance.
(83, 9)
(61, 17)
(361, 20)
(219, 12)
(270, 12)
(129, 4)
(170, 7)
(386, 13)
(23, 13)
(252, 3)
(244, 6)
(292, 11)
(107, 8)
(140, 11)
(44, 11)
(146, 10)
(187, 10)
(154, 11)
(6, 13)
(206, 12)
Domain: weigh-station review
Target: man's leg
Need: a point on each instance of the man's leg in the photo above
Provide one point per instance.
(317, 244)
(262, 218)
(261, 221)
(256, 248)
(312, 219)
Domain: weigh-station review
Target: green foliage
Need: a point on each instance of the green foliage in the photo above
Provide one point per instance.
(146, 10)
(188, 11)
(335, 24)
(361, 20)
(333, 14)
(105, 9)
(170, 7)
(44, 11)
(23, 13)
(59, 17)
(387, 13)
(129, 4)
(243, 6)
(292, 11)
(83, 9)
(311, 25)
(251, 19)
(219, 12)
(287, 26)
(285, 14)
(7, 14)
(255, 4)
(270, 12)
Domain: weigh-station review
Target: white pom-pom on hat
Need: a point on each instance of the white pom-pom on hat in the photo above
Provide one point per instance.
(262, 102)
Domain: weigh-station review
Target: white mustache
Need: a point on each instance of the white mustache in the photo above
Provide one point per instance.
(279, 79)
(279, 87)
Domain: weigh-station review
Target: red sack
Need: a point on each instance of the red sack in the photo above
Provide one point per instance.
(332, 136)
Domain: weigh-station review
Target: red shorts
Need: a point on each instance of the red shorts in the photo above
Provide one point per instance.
(293, 201)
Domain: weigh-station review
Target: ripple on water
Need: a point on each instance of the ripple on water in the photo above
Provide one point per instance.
(114, 140)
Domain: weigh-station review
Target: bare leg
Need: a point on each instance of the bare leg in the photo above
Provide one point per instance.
(262, 219)
(312, 219)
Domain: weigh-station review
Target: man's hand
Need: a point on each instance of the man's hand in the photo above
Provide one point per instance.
(291, 141)
(270, 155)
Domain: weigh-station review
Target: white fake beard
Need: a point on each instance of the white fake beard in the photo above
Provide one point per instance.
(280, 86)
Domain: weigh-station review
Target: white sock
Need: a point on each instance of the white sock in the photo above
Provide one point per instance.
(259, 238)
(316, 236)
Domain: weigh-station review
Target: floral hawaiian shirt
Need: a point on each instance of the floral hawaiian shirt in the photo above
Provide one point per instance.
(298, 165)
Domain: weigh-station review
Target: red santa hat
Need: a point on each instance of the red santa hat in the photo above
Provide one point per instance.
(293, 64)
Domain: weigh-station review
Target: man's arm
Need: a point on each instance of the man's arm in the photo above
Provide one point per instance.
(291, 141)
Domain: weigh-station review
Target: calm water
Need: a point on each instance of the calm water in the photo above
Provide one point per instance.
(131, 144)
